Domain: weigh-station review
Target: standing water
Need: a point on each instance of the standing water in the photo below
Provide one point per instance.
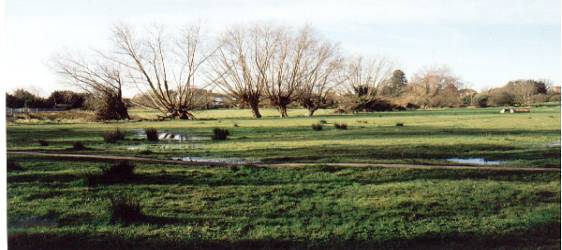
(474, 161)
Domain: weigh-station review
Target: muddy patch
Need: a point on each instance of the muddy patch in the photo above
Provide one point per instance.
(474, 161)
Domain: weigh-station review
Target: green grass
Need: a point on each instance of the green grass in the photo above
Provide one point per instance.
(319, 207)
(427, 137)
(51, 207)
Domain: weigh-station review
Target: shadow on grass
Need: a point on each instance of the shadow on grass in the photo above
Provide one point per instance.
(545, 236)
(248, 176)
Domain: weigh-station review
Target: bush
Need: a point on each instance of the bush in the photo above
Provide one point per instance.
(399, 124)
(78, 146)
(342, 126)
(43, 143)
(121, 171)
(111, 107)
(481, 101)
(117, 173)
(13, 166)
(220, 134)
(151, 134)
(317, 127)
(323, 122)
(125, 209)
(114, 136)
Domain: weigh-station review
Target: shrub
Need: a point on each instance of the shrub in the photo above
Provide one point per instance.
(13, 166)
(119, 172)
(220, 134)
(151, 134)
(323, 122)
(125, 209)
(114, 136)
(236, 125)
(111, 107)
(43, 143)
(342, 126)
(481, 101)
(399, 124)
(317, 127)
(78, 146)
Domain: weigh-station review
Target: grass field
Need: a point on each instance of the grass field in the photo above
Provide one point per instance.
(50, 205)
(426, 137)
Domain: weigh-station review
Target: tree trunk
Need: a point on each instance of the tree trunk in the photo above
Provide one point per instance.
(311, 111)
(186, 115)
(283, 111)
(255, 109)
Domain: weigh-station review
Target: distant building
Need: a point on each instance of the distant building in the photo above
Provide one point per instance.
(556, 89)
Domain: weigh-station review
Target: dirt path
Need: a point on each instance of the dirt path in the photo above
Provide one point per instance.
(292, 164)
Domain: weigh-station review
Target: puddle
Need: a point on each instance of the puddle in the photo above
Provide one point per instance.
(214, 160)
(167, 136)
(474, 161)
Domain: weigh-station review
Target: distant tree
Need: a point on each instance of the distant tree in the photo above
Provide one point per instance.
(501, 97)
(524, 90)
(13, 102)
(435, 86)
(21, 98)
(67, 98)
(102, 79)
(481, 100)
(363, 81)
(394, 85)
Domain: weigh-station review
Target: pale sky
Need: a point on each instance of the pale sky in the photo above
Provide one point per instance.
(485, 42)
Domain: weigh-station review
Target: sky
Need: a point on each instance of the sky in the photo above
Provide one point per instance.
(485, 42)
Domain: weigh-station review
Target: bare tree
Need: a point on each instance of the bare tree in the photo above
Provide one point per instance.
(436, 86)
(104, 80)
(288, 68)
(363, 82)
(365, 77)
(243, 63)
(163, 67)
(322, 66)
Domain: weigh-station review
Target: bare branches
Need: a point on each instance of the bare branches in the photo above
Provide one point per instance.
(164, 67)
(102, 79)
(243, 65)
(365, 77)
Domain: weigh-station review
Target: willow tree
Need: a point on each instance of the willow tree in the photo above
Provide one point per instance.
(288, 69)
(166, 68)
(364, 79)
(321, 74)
(243, 62)
(102, 79)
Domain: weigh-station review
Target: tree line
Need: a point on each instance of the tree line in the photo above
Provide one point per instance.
(262, 64)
